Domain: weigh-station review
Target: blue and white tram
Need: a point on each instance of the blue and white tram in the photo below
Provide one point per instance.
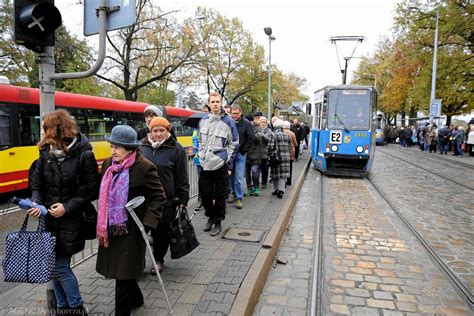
(379, 122)
(343, 134)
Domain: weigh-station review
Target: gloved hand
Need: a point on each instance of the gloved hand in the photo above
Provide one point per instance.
(148, 229)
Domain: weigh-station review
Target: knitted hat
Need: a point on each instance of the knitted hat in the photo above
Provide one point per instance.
(154, 109)
(160, 121)
(123, 135)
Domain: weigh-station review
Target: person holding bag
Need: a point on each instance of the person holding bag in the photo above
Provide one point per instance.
(65, 181)
(121, 255)
(170, 158)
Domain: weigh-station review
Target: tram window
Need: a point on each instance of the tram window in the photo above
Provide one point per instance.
(29, 124)
(5, 132)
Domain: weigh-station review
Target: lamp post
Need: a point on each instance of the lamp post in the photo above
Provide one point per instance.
(268, 32)
(433, 75)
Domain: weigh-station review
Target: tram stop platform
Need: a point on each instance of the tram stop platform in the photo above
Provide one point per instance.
(223, 276)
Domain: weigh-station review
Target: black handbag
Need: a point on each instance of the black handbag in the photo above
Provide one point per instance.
(30, 256)
(274, 160)
(89, 222)
(183, 239)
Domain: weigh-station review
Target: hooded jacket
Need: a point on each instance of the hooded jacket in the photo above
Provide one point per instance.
(219, 140)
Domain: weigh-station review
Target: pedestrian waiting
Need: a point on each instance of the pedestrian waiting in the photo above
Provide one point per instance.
(121, 255)
(171, 161)
(280, 146)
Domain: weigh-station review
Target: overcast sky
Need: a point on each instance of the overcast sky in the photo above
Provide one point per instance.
(302, 29)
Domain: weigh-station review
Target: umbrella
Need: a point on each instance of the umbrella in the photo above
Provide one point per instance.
(193, 120)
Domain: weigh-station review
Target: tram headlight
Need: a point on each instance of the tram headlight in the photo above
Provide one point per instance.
(359, 149)
(334, 148)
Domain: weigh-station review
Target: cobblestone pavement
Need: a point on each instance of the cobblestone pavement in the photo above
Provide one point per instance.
(372, 264)
(441, 211)
(459, 169)
(205, 282)
(288, 286)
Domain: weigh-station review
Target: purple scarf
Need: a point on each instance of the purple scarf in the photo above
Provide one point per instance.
(112, 215)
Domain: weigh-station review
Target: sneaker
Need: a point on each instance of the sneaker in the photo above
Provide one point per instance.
(231, 199)
(216, 229)
(256, 192)
(208, 226)
(239, 204)
(263, 186)
(249, 191)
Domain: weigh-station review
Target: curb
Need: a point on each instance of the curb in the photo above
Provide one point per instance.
(253, 283)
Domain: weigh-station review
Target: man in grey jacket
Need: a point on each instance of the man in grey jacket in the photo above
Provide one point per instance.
(219, 140)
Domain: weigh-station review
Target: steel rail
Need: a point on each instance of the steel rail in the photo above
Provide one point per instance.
(316, 283)
(463, 290)
(427, 170)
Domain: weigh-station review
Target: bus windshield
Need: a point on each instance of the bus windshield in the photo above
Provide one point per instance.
(349, 109)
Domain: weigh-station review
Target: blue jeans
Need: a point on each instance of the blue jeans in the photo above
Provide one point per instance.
(238, 176)
(443, 148)
(66, 288)
(459, 147)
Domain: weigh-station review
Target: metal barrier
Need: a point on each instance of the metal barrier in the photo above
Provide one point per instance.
(92, 246)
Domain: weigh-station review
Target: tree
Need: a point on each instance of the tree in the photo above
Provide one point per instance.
(149, 51)
(71, 55)
(231, 62)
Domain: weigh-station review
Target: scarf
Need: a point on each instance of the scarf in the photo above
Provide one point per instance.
(157, 144)
(60, 154)
(112, 215)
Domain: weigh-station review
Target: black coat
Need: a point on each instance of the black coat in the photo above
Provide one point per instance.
(172, 163)
(124, 259)
(74, 183)
(246, 135)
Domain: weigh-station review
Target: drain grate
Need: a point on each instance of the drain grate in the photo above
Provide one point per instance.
(244, 234)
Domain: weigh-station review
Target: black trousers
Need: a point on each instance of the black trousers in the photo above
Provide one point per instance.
(264, 170)
(161, 241)
(214, 186)
(288, 180)
(127, 297)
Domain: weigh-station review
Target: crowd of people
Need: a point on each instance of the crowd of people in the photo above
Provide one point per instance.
(431, 138)
(227, 147)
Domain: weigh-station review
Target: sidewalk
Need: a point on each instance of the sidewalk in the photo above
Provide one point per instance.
(205, 282)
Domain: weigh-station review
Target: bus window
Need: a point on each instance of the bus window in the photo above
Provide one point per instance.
(5, 135)
(29, 124)
(179, 128)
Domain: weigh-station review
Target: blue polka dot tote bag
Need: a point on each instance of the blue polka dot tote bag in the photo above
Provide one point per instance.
(29, 255)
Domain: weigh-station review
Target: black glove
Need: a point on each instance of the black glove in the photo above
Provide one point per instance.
(148, 229)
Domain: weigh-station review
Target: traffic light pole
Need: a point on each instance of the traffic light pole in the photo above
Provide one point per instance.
(47, 65)
(47, 86)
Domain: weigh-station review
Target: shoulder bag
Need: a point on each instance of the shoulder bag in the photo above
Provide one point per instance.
(29, 255)
(183, 239)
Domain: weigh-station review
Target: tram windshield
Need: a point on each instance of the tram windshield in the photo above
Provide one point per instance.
(349, 109)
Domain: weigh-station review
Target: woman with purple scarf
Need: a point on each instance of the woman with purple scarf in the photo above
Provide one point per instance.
(121, 256)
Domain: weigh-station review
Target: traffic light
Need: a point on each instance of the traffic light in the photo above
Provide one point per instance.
(35, 22)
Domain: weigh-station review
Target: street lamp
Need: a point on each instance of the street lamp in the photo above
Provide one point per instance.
(268, 32)
(433, 75)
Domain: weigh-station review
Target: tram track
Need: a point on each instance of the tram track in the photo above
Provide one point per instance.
(428, 170)
(316, 278)
(462, 289)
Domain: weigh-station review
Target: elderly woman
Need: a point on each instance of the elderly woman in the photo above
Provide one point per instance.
(294, 146)
(121, 254)
(281, 145)
(65, 180)
(170, 158)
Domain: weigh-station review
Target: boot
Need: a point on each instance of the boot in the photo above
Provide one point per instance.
(256, 192)
(249, 191)
(216, 229)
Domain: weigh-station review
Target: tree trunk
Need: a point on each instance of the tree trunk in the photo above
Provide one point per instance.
(448, 120)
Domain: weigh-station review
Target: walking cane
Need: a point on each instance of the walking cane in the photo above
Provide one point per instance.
(134, 203)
